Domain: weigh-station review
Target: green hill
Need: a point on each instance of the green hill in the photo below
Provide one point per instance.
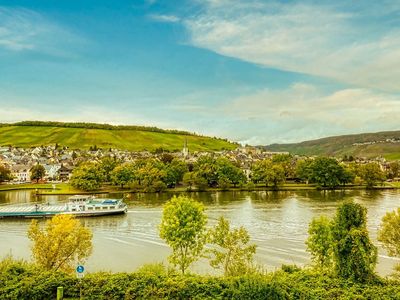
(84, 135)
(357, 145)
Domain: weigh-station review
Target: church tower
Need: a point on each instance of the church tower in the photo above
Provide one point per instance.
(185, 150)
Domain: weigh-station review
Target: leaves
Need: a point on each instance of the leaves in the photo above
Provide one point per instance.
(61, 243)
(183, 228)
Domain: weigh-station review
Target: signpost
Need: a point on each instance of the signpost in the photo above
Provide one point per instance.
(80, 273)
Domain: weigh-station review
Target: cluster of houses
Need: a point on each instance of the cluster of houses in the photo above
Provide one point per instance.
(59, 162)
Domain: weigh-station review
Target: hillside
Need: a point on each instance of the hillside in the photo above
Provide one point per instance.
(386, 144)
(85, 135)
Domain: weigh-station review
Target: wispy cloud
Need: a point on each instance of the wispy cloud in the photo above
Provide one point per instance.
(322, 40)
(26, 30)
(164, 18)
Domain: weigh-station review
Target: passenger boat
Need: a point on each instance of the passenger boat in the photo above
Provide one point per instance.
(79, 206)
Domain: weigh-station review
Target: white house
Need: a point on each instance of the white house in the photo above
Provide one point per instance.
(21, 173)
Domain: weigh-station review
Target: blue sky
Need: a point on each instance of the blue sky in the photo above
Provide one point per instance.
(253, 71)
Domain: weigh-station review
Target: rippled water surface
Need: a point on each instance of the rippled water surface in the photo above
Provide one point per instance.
(277, 222)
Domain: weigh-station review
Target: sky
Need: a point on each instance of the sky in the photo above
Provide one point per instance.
(253, 71)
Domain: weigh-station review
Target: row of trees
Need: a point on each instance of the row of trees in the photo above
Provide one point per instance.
(208, 172)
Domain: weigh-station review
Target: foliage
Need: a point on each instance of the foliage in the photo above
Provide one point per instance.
(229, 173)
(183, 228)
(5, 173)
(61, 243)
(123, 174)
(87, 177)
(37, 172)
(107, 165)
(231, 252)
(394, 170)
(287, 162)
(320, 241)
(175, 170)
(24, 281)
(389, 233)
(327, 172)
(371, 174)
(267, 172)
(355, 256)
(303, 169)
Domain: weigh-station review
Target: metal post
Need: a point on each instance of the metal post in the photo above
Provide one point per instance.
(60, 293)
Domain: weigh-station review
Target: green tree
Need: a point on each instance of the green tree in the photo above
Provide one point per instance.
(107, 165)
(394, 170)
(232, 251)
(303, 169)
(189, 180)
(87, 177)
(320, 242)
(5, 174)
(327, 172)
(389, 233)
(174, 172)
(371, 174)
(355, 256)
(61, 244)
(287, 163)
(268, 173)
(37, 172)
(206, 167)
(183, 228)
(228, 172)
(123, 175)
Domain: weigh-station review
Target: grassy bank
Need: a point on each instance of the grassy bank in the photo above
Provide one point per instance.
(21, 280)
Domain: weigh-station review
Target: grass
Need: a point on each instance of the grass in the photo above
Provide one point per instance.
(83, 138)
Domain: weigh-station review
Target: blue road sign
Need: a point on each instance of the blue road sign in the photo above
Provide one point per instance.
(80, 269)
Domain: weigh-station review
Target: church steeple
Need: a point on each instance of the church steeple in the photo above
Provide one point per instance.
(185, 151)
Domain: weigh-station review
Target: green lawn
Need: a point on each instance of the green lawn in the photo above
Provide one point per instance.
(82, 138)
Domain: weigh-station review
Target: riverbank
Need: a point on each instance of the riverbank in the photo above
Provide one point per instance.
(67, 189)
(21, 280)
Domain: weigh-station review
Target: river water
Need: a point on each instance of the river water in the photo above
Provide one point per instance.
(277, 223)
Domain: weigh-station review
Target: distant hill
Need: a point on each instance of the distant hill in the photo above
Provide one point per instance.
(85, 135)
(386, 144)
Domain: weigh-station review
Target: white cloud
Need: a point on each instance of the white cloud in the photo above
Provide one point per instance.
(303, 112)
(26, 30)
(314, 39)
(165, 18)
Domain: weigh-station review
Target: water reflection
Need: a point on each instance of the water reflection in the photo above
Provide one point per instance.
(277, 222)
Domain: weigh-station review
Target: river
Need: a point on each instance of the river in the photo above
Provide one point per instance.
(277, 223)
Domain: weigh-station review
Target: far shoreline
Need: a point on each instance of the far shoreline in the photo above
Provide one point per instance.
(61, 189)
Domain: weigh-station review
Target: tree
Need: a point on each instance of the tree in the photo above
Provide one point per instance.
(267, 172)
(233, 253)
(354, 256)
(189, 180)
(174, 172)
(37, 172)
(107, 165)
(389, 233)
(371, 174)
(327, 172)
(320, 241)
(303, 169)
(229, 173)
(206, 167)
(61, 244)
(87, 177)
(5, 173)
(123, 175)
(183, 228)
(287, 163)
(394, 170)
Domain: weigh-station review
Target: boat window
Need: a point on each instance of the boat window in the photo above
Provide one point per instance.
(74, 209)
(90, 208)
(98, 207)
(112, 207)
(105, 207)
